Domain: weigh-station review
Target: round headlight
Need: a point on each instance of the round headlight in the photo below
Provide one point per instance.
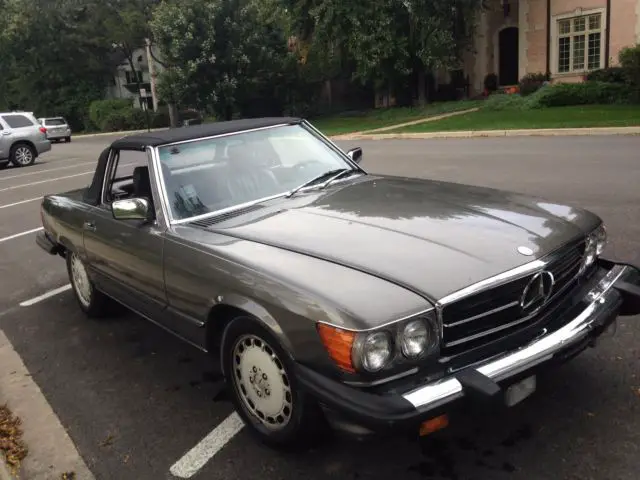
(376, 351)
(415, 338)
(601, 239)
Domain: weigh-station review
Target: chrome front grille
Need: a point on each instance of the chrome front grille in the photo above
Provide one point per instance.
(485, 316)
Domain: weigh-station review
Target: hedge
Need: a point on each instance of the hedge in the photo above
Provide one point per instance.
(588, 93)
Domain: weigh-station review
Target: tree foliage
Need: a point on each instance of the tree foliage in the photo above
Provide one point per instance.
(225, 57)
(221, 53)
(50, 65)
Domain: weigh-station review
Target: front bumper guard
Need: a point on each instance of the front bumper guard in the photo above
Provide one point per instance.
(605, 299)
(616, 293)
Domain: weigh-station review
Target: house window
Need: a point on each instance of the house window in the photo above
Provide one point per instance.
(131, 76)
(580, 43)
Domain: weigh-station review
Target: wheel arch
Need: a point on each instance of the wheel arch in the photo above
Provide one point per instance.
(232, 306)
(25, 142)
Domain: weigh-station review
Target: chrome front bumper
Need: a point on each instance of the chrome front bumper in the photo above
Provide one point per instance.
(603, 298)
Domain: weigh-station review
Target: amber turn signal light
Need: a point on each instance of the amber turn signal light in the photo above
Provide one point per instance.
(433, 425)
(338, 343)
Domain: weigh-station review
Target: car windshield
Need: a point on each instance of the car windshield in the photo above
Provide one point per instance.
(54, 121)
(208, 175)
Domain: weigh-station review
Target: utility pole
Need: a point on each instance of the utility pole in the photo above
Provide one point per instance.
(152, 75)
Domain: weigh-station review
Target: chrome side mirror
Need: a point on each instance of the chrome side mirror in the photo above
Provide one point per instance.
(131, 209)
(355, 154)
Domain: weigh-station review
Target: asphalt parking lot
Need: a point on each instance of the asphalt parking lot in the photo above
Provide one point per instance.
(135, 400)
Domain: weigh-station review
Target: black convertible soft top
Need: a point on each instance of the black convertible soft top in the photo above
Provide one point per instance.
(154, 139)
(92, 194)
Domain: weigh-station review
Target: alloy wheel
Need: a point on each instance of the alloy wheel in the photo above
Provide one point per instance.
(80, 280)
(24, 155)
(262, 383)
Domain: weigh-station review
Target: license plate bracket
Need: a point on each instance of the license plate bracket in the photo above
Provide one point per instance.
(519, 391)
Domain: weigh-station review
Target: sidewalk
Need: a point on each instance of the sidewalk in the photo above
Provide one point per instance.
(548, 132)
(51, 452)
(377, 133)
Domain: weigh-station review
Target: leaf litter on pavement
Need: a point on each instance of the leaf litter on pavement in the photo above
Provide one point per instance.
(11, 444)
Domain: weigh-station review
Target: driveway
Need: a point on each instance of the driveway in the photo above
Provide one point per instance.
(135, 400)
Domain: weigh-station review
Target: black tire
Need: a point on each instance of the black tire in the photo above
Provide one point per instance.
(22, 155)
(67, 139)
(97, 305)
(306, 422)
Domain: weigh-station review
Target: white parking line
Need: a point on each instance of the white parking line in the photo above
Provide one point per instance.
(13, 187)
(20, 202)
(204, 451)
(21, 234)
(44, 296)
(39, 172)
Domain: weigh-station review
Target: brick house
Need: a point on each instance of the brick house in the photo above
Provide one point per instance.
(566, 38)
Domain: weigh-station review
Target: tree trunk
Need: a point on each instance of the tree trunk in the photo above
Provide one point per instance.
(422, 91)
(129, 53)
(174, 115)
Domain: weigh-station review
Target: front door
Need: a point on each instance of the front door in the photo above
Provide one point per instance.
(508, 56)
(125, 256)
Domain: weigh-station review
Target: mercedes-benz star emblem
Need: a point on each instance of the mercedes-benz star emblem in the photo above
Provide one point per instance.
(525, 251)
(537, 292)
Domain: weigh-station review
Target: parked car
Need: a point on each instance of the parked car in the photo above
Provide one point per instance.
(332, 296)
(57, 128)
(22, 139)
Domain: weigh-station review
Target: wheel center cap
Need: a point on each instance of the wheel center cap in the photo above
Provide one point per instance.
(260, 382)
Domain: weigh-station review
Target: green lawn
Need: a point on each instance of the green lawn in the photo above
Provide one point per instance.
(384, 117)
(558, 117)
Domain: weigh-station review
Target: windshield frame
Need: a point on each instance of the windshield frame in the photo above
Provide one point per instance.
(157, 168)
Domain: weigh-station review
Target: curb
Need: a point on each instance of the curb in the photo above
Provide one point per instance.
(548, 132)
(5, 473)
(124, 132)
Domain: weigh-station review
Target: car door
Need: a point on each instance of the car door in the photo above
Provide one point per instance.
(125, 256)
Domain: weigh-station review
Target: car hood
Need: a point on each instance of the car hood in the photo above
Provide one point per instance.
(431, 237)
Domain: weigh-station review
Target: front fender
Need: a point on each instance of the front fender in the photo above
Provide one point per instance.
(261, 314)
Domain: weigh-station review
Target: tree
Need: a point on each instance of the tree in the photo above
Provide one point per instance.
(50, 65)
(389, 39)
(220, 53)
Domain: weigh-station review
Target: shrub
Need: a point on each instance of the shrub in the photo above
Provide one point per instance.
(532, 82)
(504, 102)
(491, 82)
(99, 110)
(630, 61)
(124, 119)
(588, 93)
(610, 75)
(160, 119)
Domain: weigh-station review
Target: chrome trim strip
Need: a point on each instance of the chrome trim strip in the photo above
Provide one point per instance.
(160, 179)
(397, 320)
(494, 281)
(238, 132)
(484, 333)
(162, 189)
(222, 211)
(481, 315)
(449, 389)
(333, 145)
(382, 381)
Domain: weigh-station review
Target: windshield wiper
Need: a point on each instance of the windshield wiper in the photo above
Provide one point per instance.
(337, 177)
(335, 171)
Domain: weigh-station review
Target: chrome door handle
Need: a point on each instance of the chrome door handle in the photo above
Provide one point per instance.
(89, 226)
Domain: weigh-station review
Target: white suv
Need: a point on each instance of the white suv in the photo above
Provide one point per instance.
(22, 139)
(57, 128)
